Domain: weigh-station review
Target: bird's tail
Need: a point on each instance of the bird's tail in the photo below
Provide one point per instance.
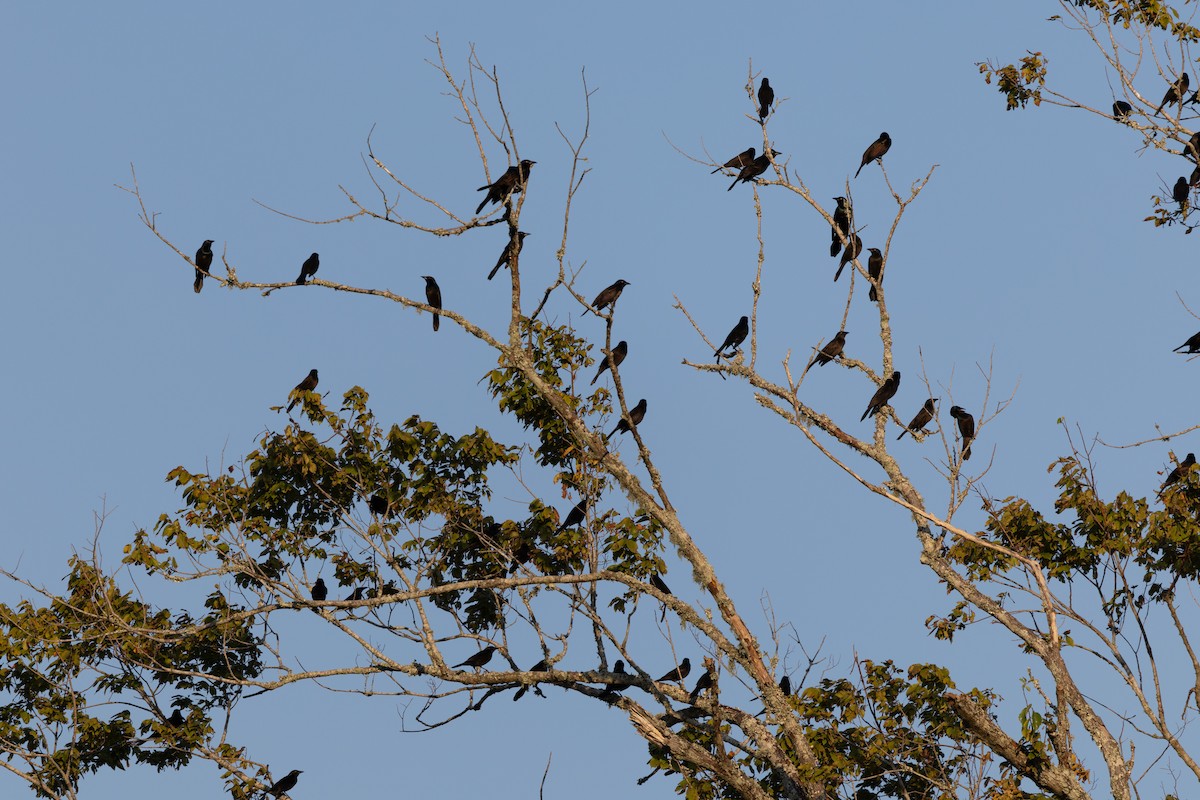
(836, 247)
(735, 183)
(198, 284)
(495, 269)
(874, 298)
(300, 281)
(484, 203)
(967, 454)
(860, 166)
(437, 321)
(901, 436)
(838, 274)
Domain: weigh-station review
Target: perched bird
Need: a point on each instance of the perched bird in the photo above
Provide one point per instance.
(705, 681)
(320, 591)
(658, 583)
(359, 593)
(284, 784)
(609, 361)
(882, 395)
(842, 223)
(308, 269)
(735, 337)
(479, 659)
(1192, 344)
(204, 257)
(766, 96)
(832, 350)
(677, 674)
(1122, 110)
(875, 151)
(875, 270)
(176, 719)
(513, 180)
(636, 415)
(433, 296)
(785, 686)
(608, 296)
(618, 669)
(1179, 193)
(541, 666)
(1179, 471)
(737, 162)
(508, 251)
(849, 254)
(1175, 92)
(378, 504)
(307, 385)
(575, 516)
(752, 170)
(966, 428)
(1194, 178)
(923, 417)
(1193, 146)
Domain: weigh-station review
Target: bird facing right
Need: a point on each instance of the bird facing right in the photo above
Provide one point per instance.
(608, 295)
(308, 269)
(831, 350)
(307, 385)
(875, 151)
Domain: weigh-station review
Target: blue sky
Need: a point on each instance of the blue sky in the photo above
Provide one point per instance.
(1026, 251)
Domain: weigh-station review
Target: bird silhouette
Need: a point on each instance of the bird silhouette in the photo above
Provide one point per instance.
(923, 417)
(843, 222)
(320, 591)
(636, 415)
(658, 583)
(966, 428)
(574, 517)
(882, 395)
(875, 150)
(757, 167)
(1179, 472)
(875, 270)
(785, 686)
(832, 349)
(737, 162)
(608, 296)
(308, 269)
(1192, 344)
(618, 669)
(378, 504)
(735, 337)
(1180, 192)
(512, 180)
(677, 674)
(705, 681)
(307, 385)
(849, 254)
(284, 784)
(1175, 92)
(204, 258)
(1122, 110)
(479, 659)
(766, 96)
(433, 296)
(609, 361)
(508, 251)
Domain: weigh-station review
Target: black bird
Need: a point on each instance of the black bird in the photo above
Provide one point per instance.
(785, 686)
(320, 591)
(308, 269)
(378, 504)
(766, 96)
(359, 593)
(619, 669)
(875, 270)
(575, 516)
(204, 257)
(1179, 471)
(658, 583)
(677, 674)
(513, 180)
(284, 784)
(433, 296)
(882, 395)
(1192, 344)
(618, 355)
(752, 170)
(875, 151)
(737, 162)
(1175, 92)
(636, 415)
(1179, 193)
(705, 681)
(1122, 110)
(842, 223)
(1194, 178)
(923, 417)
(541, 666)
(1192, 148)
(176, 719)
(502, 261)
(307, 385)
(966, 428)
(832, 350)
(735, 337)
(479, 659)
(849, 254)
(608, 296)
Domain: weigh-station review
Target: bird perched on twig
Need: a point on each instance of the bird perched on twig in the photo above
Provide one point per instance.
(658, 583)
(284, 784)
(705, 681)
(875, 151)
(204, 257)
(307, 385)
(512, 181)
(737, 162)
(923, 417)
(831, 350)
(509, 250)
(320, 591)
(882, 395)
(575, 516)
(1121, 110)
(1192, 344)
(853, 251)
(842, 224)
(433, 296)
(966, 428)
(677, 674)
(636, 415)
(757, 167)
(608, 296)
(308, 269)
(766, 96)
(479, 659)
(1180, 192)
(1175, 92)
(614, 360)
(735, 338)
(875, 271)
(1179, 472)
